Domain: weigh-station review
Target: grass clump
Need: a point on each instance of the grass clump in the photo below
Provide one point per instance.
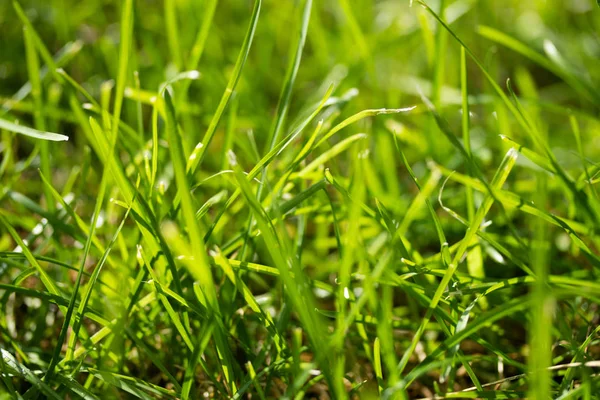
(260, 199)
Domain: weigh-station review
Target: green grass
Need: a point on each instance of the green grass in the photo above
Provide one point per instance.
(299, 199)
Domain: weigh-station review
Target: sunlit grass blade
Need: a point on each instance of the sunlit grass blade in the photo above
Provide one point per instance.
(195, 159)
(295, 286)
(329, 154)
(34, 133)
(14, 367)
(143, 260)
(285, 142)
(200, 269)
(67, 321)
(284, 98)
(126, 33)
(357, 117)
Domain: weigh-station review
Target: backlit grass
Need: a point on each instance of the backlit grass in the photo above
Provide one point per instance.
(299, 199)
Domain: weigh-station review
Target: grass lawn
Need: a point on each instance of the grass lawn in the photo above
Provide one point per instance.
(334, 199)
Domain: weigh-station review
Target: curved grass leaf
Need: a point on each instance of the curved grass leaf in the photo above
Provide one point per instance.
(33, 133)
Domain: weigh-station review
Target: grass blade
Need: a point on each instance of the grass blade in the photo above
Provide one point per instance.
(33, 133)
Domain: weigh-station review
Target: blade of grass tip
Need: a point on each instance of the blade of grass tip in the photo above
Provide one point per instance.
(499, 178)
(358, 116)
(106, 89)
(77, 87)
(33, 133)
(33, 69)
(272, 154)
(182, 76)
(295, 285)
(531, 155)
(201, 272)
(296, 340)
(252, 376)
(195, 159)
(329, 154)
(216, 199)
